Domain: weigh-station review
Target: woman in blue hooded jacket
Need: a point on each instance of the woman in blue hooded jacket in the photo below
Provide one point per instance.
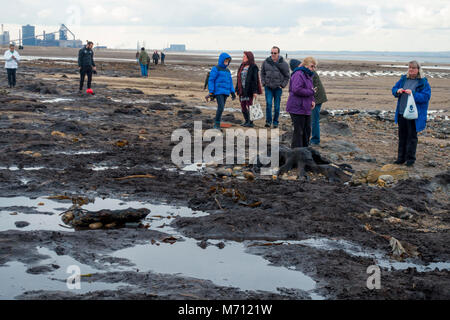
(220, 85)
(416, 84)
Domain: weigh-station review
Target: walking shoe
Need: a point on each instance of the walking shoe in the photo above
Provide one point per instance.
(409, 163)
(275, 126)
(267, 125)
(399, 161)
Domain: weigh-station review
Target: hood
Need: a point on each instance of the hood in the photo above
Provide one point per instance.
(294, 63)
(223, 56)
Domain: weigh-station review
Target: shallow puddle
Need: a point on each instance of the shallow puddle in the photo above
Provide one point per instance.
(355, 250)
(229, 266)
(15, 280)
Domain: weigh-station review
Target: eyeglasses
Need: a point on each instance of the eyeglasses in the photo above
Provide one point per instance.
(274, 53)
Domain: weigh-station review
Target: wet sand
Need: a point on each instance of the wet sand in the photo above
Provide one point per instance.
(320, 231)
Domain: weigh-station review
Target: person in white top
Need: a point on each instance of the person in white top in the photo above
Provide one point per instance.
(12, 59)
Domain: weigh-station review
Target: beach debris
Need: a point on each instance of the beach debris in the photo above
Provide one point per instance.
(58, 134)
(82, 219)
(121, 143)
(137, 176)
(400, 249)
(249, 175)
(308, 159)
(394, 171)
(170, 240)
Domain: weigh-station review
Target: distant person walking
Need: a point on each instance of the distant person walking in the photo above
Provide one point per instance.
(163, 57)
(415, 83)
(220, 86)
(12, 59)
(274, 77)
(155, 57)
(301, 100)
(320, 97)
(247, 85)
(86, 64)
(143, 62)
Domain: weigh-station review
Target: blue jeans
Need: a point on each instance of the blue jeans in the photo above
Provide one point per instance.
(144, 69)
(273, 94)
(221, 100)
(315, 118)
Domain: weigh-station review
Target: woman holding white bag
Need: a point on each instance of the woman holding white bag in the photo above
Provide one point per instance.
(248, 85)
(414, 85)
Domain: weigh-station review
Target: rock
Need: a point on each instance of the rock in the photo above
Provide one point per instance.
(342, 146)
(21, 224)
(68, 216)
(335, 128)
(95, 225)
(224, 172)
(365, 157)
(249, 175)
(391, 170)
(202, 244)
(13, 214)
(220, 245)
(401, 209)
(386, 178)
(42, 269)
(110, 225)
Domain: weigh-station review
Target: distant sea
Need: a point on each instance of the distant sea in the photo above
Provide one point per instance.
(422, 57)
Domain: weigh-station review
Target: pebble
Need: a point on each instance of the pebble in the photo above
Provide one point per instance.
(21, 224)
(95, 225)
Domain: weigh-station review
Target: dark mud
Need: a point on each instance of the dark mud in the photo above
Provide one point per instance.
(86, 145)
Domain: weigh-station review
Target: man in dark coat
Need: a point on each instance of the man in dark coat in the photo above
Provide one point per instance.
(274, 77)
(86, 64)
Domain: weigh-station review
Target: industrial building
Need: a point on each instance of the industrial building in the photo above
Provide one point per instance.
(4, 37)
(28, 37)
(176, 48)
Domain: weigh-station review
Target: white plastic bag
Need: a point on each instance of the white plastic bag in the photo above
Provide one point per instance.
(256, 112)
(411, 109)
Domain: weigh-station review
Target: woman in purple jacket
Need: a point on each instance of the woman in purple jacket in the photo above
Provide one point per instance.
(301, 100)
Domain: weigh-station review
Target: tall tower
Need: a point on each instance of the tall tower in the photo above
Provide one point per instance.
(28, 34)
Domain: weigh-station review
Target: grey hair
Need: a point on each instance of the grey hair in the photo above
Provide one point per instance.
(415, 63)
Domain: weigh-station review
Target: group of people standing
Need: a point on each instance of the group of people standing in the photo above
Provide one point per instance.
(306, 96)
(306, 91)
(143, 58)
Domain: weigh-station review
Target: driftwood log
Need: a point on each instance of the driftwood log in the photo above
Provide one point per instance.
(82, 219)
(307, 159)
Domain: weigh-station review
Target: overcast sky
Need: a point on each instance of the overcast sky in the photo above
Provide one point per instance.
(378, 25)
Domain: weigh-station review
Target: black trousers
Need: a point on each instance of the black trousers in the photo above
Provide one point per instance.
(407, 139)
(11, 76)
(83, 72)
(302, 130)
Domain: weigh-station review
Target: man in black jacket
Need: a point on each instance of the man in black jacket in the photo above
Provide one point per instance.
(274, 77)
(86, 64)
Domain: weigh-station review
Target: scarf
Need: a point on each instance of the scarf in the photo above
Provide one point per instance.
(307, 71)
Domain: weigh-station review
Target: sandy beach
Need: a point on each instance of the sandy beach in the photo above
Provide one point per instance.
(216, 231)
